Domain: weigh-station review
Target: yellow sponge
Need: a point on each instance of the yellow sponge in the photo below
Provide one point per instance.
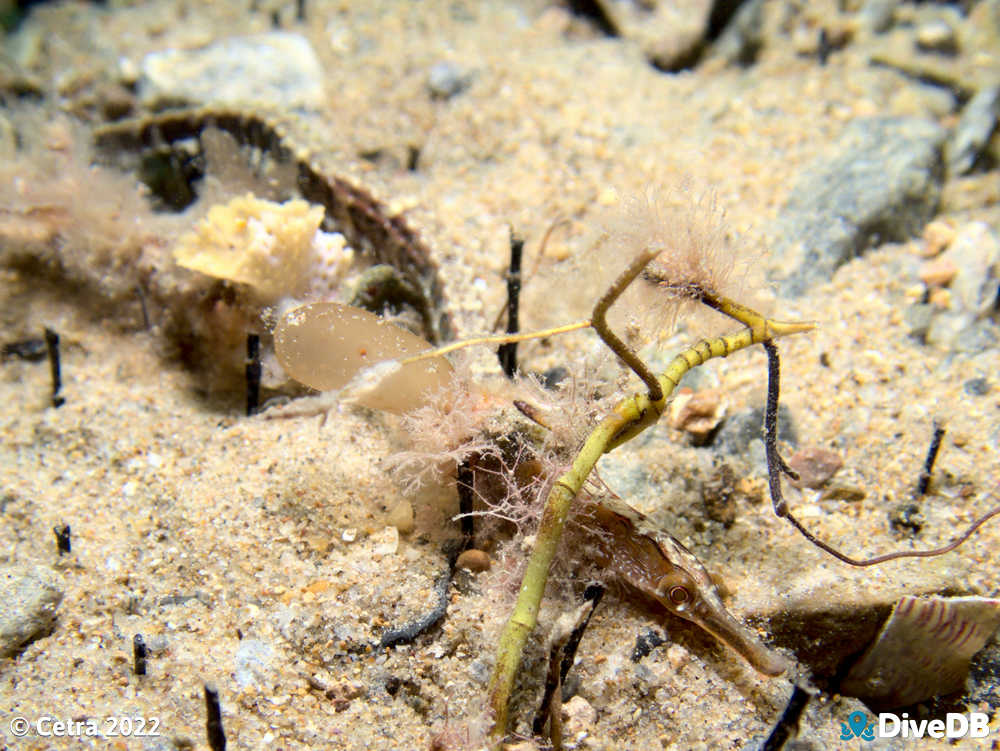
(266, 245)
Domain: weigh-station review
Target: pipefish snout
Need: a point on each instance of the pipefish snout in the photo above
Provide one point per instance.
(656, 564)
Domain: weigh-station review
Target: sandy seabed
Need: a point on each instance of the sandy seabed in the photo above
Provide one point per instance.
(252, 553)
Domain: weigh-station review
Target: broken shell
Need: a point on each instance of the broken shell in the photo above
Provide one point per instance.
(923, 650)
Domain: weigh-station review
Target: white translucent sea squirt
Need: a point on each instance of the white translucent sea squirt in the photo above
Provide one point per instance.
(331, 346)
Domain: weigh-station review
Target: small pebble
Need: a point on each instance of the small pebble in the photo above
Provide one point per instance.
(275, 68)
(937, 36)
(480, 671)
(521, 746)
(317, 587)
(805, 39)
(318, 543)
(474, 560)
(445, 80)
(253, 663)
(878, 15)
(907, 518)
(938, 273)
(977, 387)
(718, 493)
(918, 319)
(815, 466)
(349, 535)
(608, 196)
(974, 251)
(843, 493)
(677, 656)
(578, 717)
(698, 414)
(939, 298)
(937, 237)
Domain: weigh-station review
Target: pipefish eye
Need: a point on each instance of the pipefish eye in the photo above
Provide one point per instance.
(672, 593)
(678, 595)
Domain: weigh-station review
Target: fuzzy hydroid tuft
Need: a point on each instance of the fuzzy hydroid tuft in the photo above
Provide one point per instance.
(695, 249)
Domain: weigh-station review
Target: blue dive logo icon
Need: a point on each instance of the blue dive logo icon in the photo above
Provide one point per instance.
(857, 726)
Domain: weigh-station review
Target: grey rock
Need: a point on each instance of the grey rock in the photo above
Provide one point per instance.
(984, 27)
(882, 185)
(974, 130)
(29, 599)
(276, 69)
(983, 676)
(926, 101)
(156, 643)
(740, 430)
(979, 35)
(445, 80)
(627, 475)
(966, 326)
(179, 599)
(756, 455)
(823, 721)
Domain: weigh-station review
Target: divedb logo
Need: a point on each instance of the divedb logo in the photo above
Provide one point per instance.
(889, 725)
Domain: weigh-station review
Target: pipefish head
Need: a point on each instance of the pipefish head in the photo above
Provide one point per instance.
(655, 563)
(686, 589)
